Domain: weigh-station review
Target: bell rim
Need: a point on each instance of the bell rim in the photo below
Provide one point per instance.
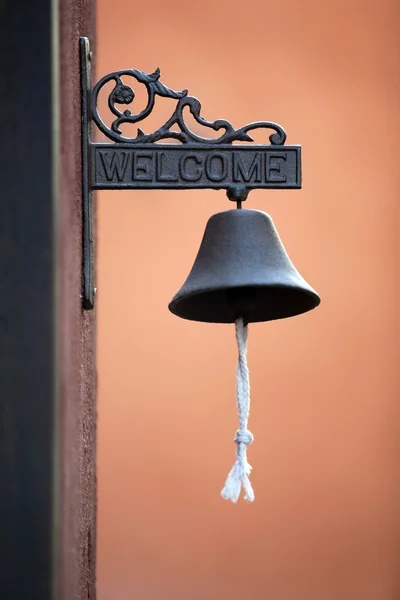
(310, 292)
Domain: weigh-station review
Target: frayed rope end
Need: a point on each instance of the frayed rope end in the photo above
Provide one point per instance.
(234, 482)
(240, 472)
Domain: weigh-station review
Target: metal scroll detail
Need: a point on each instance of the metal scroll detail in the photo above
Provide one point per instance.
(124, 94)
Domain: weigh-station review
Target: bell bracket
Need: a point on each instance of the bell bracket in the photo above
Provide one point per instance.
(191, 162)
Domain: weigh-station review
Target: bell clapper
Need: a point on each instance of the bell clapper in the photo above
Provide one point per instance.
(239, 474)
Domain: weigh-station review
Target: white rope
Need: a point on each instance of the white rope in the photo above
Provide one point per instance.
(239, 474)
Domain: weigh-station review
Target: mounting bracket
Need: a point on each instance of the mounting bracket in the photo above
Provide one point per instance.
(195, 163)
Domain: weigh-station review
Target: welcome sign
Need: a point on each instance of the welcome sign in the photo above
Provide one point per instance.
(187, 151)
(190, 166)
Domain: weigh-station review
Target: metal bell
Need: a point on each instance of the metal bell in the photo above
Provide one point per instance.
(242, 270)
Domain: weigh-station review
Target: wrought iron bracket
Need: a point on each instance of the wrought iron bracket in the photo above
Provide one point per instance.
(191, 162)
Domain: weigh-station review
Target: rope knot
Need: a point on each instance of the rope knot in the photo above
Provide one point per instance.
(244, 436)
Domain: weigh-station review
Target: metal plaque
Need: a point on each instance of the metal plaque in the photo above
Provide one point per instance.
(124, 166)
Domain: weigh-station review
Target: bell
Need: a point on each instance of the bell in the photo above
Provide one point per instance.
(242, 270)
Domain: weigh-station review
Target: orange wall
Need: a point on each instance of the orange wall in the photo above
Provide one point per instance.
(325, 413)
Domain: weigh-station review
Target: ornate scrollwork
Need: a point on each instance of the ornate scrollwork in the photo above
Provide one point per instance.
(124, 94)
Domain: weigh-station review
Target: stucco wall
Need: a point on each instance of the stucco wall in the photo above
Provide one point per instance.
(325, 385)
